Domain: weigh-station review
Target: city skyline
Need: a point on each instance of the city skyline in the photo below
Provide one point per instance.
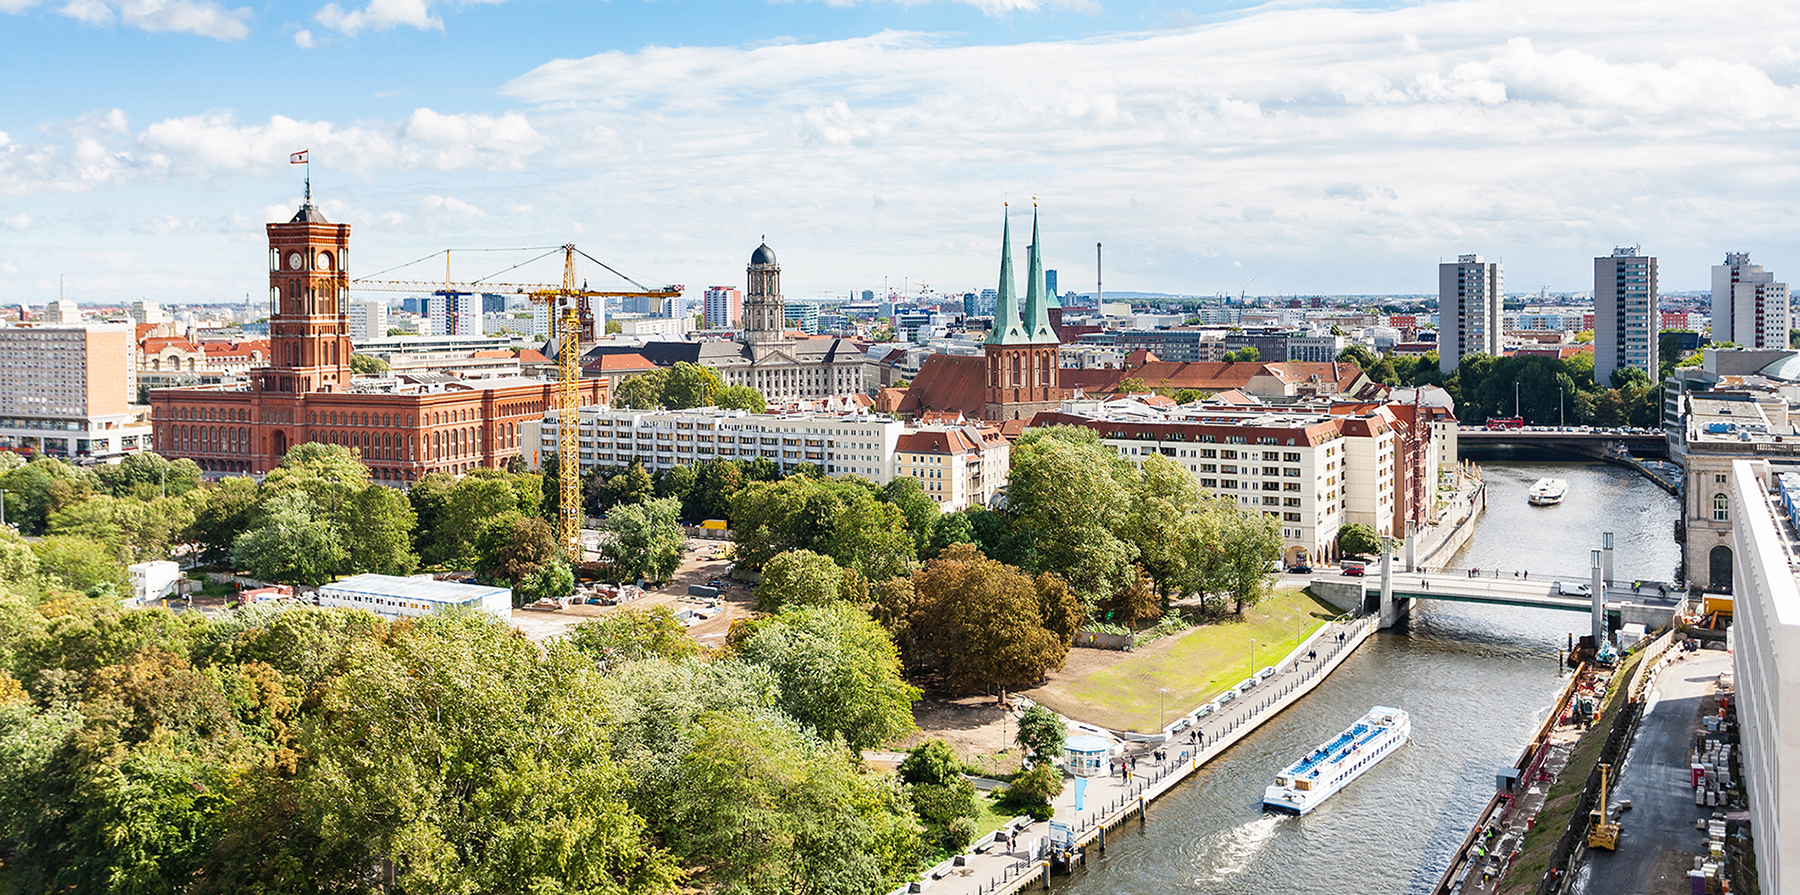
(1292, 149)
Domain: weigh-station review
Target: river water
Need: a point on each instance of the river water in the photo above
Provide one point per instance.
(1477, 680)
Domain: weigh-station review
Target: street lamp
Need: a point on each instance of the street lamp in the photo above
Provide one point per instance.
(2, 507)
(1161, 700)
(1253, 656)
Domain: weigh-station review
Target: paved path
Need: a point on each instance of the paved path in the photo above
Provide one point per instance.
(999, 868)
(1659, 828)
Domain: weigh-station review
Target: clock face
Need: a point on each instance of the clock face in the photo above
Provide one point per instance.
(294, 261)
(324, 261)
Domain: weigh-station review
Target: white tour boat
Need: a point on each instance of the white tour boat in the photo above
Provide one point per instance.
(1548, 492)
(1301, 786)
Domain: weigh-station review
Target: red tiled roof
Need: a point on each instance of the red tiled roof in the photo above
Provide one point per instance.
(155, 344)
(888, 400)
(532, 356)
(936, 441)
(245, 350)
(948, 383)
(620, 363)
(491, 352)
(143, 329)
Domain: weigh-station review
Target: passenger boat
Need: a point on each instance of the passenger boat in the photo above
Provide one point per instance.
(1301, 786)
(1548, 492)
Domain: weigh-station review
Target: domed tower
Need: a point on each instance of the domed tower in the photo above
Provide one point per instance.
(765, 313)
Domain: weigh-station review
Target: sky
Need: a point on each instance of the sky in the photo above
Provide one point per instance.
(1213, 147)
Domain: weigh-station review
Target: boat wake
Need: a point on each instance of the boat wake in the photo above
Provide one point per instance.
(1230, 852)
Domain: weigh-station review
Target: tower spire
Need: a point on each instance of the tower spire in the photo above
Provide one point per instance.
(1008, 330)
(1036, 320)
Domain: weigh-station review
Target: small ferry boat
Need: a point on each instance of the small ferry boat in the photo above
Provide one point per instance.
(1548, 492)
(1301, 786)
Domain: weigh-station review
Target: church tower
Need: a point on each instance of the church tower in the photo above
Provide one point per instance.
(765, 312)
(1022, 348)
(309, 335)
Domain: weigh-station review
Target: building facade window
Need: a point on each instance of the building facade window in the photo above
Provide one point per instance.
(1721, 508)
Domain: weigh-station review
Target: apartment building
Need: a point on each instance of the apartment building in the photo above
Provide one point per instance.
(723, 307)
(1748, 306)
(368, 319)
(957, 466)
(1469, 310)
(1765, 651)
(1625, 314)
(840, 444)
(69, 391)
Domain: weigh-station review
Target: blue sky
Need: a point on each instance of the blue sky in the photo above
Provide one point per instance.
(1292, 147)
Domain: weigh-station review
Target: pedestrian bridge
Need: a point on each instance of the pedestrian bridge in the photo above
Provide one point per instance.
(1646, 602)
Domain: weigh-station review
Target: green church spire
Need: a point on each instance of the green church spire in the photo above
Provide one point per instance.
(1008, 330)
(1036, 320)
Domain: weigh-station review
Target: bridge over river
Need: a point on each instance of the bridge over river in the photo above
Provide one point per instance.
(1648, 603)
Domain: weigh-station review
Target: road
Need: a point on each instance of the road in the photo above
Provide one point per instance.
(1658, 837)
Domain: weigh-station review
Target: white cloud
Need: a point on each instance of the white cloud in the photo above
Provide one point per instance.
(202, 17)
(303, 39)
(20, 221)
(996, 8)
(381, 15)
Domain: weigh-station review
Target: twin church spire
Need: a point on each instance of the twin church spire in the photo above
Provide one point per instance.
(1030, 325)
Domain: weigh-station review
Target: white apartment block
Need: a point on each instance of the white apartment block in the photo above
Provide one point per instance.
(1626, 321)
(69, 391)
(368, 319)
(1469, 310)
(1748, 306)
(841, 444)
(723, 307)
(455, 314)
(1765, 649)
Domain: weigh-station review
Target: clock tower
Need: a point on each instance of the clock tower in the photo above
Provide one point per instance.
(309, 335)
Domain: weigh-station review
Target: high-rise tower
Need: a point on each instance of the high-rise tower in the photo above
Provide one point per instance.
(309, 334)
(1748, 307)
(1626, 319)
(1469, 310)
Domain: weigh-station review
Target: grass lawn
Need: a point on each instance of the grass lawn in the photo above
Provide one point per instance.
(1194, 666)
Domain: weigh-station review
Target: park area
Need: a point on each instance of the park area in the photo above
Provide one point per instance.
(1123, 691)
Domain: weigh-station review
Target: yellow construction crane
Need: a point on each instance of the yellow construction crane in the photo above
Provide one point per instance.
(565, 303)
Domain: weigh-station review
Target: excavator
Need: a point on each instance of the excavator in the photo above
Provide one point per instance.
(1603, 832)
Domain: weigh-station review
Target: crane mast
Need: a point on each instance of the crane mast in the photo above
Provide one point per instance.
(563, 304)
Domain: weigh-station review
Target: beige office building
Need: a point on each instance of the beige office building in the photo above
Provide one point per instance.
(67, 391)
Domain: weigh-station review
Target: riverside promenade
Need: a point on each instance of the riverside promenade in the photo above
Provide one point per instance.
(1000, 864)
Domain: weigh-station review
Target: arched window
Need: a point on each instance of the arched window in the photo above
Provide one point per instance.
(1721, 508)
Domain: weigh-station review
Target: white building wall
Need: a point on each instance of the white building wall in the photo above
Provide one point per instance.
(1766, 665)
(858, 445)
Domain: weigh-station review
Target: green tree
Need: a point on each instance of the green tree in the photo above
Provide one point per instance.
(367, 365)
(646, 539)
(716, 482)
(942, 799)
(633, 486)
(292, 542)
(840, 518)
(1069, 494)
(40, 488)
(920, 511)
(838, 671)
(1357, 539)
(642, 392)
(1032, 792)
(225, 510)
(632, 635)
(690, 385)
(799, 578)
(529, 544)
(947, 529)
(741, 397)
(1041, 734)
(146, 475)
(82, 564)
(377, 525)
(553, 580)
(1131, 385)
(1252, 546)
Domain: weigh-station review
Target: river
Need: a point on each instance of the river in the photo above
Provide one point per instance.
(1477, 680)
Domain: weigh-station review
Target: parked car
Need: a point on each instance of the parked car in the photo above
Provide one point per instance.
(1299, 569)
(1354, 571)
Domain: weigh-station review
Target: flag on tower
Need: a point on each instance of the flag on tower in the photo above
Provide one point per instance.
(298, 158)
